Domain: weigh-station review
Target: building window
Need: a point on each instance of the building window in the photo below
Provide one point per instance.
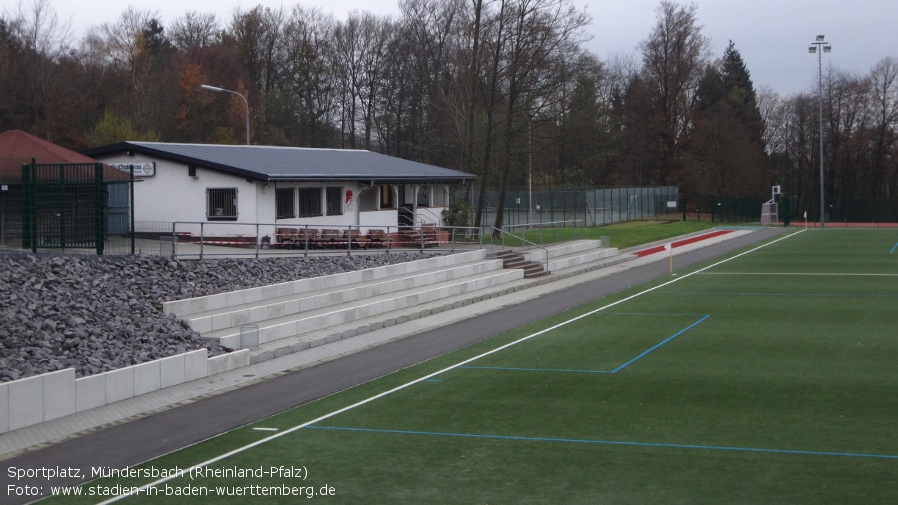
(439, 196)
(309, 202)
(221, 204)
(285, 203)
(386, 197)
(334, 201)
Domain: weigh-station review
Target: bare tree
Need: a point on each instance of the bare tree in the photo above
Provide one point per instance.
(544, 34)
(309, 45)
(135, 49)
(674, 57)
(195, 30)
(259, 34)
(42, 42)
(883, 181)
(361, 49)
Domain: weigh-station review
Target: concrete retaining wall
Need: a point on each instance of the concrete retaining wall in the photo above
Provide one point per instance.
(187, 306)
(42, 398)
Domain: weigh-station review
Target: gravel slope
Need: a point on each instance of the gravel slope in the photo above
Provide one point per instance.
(99, 313)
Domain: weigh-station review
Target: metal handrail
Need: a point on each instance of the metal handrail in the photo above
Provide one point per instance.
(522, 239)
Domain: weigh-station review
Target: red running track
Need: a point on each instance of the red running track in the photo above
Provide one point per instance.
(681, 243)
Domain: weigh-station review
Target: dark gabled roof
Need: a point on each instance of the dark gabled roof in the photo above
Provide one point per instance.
(271, 163)
(18, 147)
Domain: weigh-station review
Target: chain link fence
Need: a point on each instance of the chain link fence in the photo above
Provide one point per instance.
(593, 207)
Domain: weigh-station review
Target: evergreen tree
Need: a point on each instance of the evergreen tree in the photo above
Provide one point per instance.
(728, 131)
(740, 90)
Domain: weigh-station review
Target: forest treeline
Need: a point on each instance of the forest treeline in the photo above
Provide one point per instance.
(497, 88)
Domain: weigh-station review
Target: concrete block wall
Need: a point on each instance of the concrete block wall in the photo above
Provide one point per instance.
(298, 303)
(571, 254)
(189, 306)
(581, 259)
(403, 299)
(42, 398)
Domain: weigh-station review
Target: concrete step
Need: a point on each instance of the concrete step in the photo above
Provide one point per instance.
(267, 309)
(514, 260)
(533, 270)
(570, 254)
(334, 314)
(252, 296)
(300, 314)
(324, 335)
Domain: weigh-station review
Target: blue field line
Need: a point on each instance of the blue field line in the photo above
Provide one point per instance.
(893, 248)
(612, 442)
(659, 344)
(628, 363)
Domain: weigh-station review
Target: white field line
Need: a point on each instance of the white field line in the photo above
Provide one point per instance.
(811, 274)
(427, 377)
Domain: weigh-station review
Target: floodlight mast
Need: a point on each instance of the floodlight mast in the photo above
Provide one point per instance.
(246, 103)
(820, 46)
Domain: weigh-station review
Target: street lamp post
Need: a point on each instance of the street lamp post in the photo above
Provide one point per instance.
(222, 90)
(820, 47)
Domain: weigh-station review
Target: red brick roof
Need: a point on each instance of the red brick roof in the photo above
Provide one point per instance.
(18, 147)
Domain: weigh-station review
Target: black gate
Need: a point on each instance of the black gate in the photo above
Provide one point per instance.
(64, 206)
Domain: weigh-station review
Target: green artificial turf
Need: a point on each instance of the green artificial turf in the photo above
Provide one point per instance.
(622, 235)
(770, 379)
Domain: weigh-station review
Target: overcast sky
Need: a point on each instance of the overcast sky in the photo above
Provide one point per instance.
(771, 35)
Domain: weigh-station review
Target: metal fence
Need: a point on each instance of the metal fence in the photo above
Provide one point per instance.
(67, 208)
(199, 240)
(837, 212)
(593, 207)
(721, 209)
(63, 206)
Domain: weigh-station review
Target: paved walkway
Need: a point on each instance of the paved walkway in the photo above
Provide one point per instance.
(39, 436)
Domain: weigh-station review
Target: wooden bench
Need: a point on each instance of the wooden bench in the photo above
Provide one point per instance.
(306, 237)
(331, 238)
(378, 238)
(355, 239)
(287, 237)
(292, 237)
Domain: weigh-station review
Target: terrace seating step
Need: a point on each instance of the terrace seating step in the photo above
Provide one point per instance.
(309, 312)
(330, 334)
(571, 254)
(291, 325)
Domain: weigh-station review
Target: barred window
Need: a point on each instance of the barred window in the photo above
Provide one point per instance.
(309, 202)
(334, 201)
(285, 203)
(221, 204)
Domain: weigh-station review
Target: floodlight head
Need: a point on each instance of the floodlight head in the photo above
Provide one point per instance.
(819, 38)
(827, 49)
(812, 49)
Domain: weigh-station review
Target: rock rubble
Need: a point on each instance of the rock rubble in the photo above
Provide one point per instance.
(99, 313)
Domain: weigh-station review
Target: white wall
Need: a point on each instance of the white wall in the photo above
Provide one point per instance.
(430, 215)
(382, 219)
(42, 398)
(172, 195)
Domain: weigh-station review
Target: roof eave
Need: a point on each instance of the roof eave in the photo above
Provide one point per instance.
(189, 160)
